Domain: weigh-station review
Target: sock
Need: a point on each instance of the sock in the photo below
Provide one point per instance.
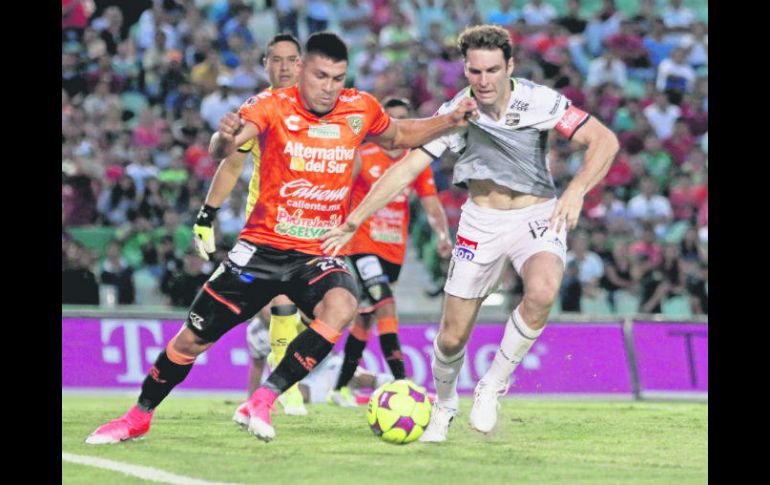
(171, 367)
(283, 329)
(391, 348)
(303, 353)
(284, 322)
(445, 370)
(354, 349)
(517, 340)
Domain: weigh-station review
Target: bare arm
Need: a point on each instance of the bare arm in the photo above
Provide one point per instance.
(602, 147)
(410, 133)
(225, 178)
(393, 182)
(438, 222)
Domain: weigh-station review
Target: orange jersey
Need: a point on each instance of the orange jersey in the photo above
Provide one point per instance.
(385, 232)
(306, 168)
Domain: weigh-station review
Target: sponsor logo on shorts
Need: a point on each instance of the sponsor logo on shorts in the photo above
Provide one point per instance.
(464, 248)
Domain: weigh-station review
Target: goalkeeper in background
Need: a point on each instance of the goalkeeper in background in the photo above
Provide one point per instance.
(282, 61)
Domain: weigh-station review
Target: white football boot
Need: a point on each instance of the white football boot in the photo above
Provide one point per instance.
(438, 426)
(486, 404)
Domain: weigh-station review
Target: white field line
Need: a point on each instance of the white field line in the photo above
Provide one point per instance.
(145, 472)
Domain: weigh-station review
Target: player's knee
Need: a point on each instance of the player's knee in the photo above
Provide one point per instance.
(542, 296)
(450, 343)
(187, 343)
(338, 308)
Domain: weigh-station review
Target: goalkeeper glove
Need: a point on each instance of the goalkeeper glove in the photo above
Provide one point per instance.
(203, 232)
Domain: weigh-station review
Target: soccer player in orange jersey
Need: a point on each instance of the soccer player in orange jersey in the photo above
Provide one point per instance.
(308, 135)
(377, 252)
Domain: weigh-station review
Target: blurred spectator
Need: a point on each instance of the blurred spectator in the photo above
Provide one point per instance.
(429, 12)
(287, 13)
(657, 162)
(662, 115)
(697, 288)
(78, 282)
(675, 76)
(250, 76)
(73, 80)
(696, 45)
(649, 207)
(126, 65)
(354, 18)
(78, 200)
(151, 22)
(74, 19)
(238, 25)
(680, 143)
(691, 248)
(111, 28)
(221, 101)
(318, 13)
(119, 202)
(590, 266)
(677, 19)
(116, 272)
(667, 280)
(657, 45)
(687, 198)
(571, 291)
(608, 68)
(152, 204)
(223, 11)
(538, 13)
(205, 74)
(573, 21)
(184, 284)
(186, 129)
(605, 22)
(617, 272)
(611, 212)
(505, 15)
(646, 249)
(397, 38)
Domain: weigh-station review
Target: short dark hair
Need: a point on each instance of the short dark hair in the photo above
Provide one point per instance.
(392, 102)
(283, 37)
(488, 37)
(327, 44)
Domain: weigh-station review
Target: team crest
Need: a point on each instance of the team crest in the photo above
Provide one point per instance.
(512, 119)
(376, 292)
(355, 122)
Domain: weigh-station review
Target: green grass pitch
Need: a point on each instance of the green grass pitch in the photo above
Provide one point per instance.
(536, 442)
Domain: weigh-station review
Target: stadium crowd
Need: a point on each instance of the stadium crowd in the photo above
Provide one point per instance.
(143, 91)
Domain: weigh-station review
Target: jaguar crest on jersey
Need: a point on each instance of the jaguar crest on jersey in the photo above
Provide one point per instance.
(355, 123)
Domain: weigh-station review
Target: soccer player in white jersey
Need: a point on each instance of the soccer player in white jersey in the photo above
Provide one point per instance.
(513, 213)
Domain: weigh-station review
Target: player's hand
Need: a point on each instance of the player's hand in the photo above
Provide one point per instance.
(229, 126)
(466, 110)
(203, 231)
(444, 247)
(567, 209)
(337, 238)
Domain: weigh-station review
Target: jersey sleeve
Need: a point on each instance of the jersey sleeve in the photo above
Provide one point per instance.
(557, 112)
(424, 185)
(257, 110)
(454, 140)
(374, 111)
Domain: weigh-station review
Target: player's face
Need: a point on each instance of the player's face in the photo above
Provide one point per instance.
(282, 64)
(397, 112)
(320, 82)
(489, 75)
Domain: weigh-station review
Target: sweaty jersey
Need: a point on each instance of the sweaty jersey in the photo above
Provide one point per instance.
(510, 151)
(385, 232)
(306, 165)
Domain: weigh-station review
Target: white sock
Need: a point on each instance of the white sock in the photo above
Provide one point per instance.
(445, 370)
(517, 340)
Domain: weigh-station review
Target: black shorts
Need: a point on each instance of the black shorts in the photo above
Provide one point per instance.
(252, 275)
(374, 275)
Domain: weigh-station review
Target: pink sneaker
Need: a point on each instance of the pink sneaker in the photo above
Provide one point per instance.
(241, 415)
(133, 424)
(259, 407)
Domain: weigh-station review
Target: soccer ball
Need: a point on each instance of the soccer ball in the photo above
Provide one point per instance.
(399, 411)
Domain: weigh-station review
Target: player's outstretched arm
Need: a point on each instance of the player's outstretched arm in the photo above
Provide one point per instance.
(438, 222)
(392, 183)
(410, 133)
(602, 147)
(222, 184)
(233, 132)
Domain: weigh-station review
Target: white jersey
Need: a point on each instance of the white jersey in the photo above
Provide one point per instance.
(510, 151)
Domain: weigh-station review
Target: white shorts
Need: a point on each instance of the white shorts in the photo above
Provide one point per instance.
(258, 338)
(487, 237)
